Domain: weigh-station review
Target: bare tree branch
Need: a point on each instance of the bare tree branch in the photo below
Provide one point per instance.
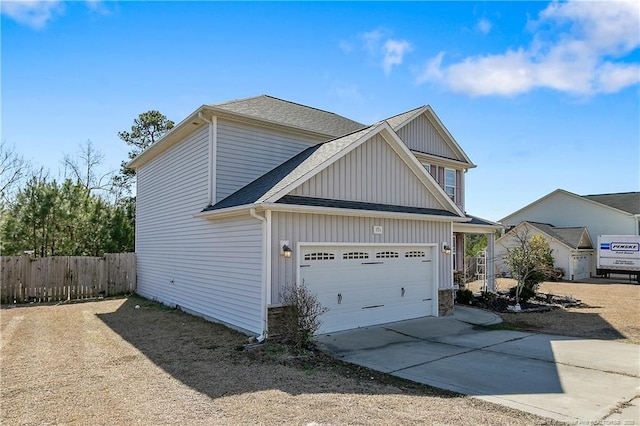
(13, 169)
(83, 168)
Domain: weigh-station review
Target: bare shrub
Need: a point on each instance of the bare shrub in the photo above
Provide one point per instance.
(301, 318)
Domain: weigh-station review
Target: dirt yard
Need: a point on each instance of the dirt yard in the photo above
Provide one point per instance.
(610, 310)
(108, 363)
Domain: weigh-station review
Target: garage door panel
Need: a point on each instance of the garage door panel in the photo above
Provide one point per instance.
(362, 286)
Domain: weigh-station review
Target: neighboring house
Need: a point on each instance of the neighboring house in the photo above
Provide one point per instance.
(244, 198)
(603, 214)
(572, 249)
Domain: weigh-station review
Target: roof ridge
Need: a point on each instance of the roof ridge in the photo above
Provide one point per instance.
(309, 107)
(264, 95)
(405, 112)
(612, 193)
(233, 101)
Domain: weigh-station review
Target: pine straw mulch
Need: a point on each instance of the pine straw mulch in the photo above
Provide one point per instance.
(609, 309)
(106, 362)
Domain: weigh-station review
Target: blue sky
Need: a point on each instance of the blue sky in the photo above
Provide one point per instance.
(539, 95)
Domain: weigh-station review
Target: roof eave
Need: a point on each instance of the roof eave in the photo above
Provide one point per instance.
(181, 130)
(186, 127)
(334, 211)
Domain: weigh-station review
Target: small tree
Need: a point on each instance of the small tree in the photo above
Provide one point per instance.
(529, 260)
(301, 317)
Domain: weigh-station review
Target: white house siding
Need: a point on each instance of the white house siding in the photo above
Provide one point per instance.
(372, 173)
(561, 209)
(247, 152)
(300, 227)
(422, 136)
(562, 255)
(212, 268)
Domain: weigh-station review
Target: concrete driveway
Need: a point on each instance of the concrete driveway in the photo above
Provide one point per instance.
(563, 378)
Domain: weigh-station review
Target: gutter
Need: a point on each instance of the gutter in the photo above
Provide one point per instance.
(265, 269)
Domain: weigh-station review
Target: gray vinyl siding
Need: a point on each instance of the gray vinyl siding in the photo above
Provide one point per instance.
(372, 173)
(212, 268)
(247, 152)
(420, 135)
(300, 227)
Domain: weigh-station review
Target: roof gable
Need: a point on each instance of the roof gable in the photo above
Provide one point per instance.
(576, 237)
(285, 178)
(372, 173)
(423, 132)
(589, 200)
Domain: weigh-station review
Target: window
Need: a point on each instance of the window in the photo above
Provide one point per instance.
(450, 183)
(414, 254)
(355, 255)
(319, 256)
(386, 254)
(427, 167)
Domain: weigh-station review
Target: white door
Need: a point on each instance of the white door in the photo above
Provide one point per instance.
(580, 267)
(367, 285)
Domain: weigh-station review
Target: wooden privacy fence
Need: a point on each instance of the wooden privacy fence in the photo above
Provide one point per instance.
(51, 279)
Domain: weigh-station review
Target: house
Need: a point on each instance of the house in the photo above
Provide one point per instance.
(572, 248)
(244, 198)
(602, 214)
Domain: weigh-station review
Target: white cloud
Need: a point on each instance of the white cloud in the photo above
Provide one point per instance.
(578, 47)
(380, 47)
(394, 51)
(484, 26)
(35, 14)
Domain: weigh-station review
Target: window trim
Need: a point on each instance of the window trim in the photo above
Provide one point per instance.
(454, 187)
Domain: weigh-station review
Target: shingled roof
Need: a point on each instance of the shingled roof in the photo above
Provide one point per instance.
(288, 113)
(272, 183)
(569, 236)
(626, 201)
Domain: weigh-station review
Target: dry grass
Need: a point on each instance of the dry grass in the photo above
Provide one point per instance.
(109, 363)
(610, 310)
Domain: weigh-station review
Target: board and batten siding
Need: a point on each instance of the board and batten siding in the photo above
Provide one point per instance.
(422, 136)
(373, 173)
(211, 268)
(301, 227)
(247, 152)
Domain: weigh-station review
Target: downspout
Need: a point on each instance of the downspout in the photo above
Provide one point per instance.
(213, 151)
(637, 218)
(265, 263)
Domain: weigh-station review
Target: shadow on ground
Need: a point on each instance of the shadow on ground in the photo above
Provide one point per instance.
(208, 358)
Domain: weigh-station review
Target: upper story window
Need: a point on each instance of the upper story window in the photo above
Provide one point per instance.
(427, 167)
(450, 183)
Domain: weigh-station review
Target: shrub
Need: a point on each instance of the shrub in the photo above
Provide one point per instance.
(464, 296)
(528, 291)
(301, 318)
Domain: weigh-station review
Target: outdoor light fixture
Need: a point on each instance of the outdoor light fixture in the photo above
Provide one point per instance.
(446, 249)
(285, 250)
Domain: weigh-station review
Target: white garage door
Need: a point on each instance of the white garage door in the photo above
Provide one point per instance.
(580, 267)
(367, 285)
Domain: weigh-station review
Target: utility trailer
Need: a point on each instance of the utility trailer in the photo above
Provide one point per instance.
(618, 254)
